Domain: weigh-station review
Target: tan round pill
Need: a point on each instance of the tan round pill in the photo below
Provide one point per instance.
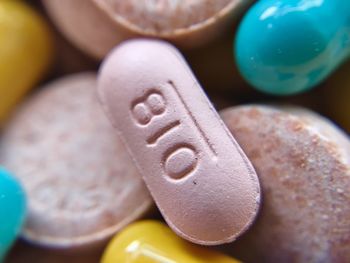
(303, 163)
(96, 26)
(81, 184)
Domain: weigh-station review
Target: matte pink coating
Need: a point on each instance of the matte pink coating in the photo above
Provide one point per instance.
(200, 179)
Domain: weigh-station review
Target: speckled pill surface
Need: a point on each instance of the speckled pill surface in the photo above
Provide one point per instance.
(13, 207)
(303, 162)
(200, 179)
(96, 26)
(82, 186)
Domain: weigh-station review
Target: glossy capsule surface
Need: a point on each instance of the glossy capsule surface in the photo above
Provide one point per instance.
(12, 210)
(286, 47)
(153, 242)
(25, 52)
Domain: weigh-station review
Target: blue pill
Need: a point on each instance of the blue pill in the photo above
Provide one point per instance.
(285, 47)
(12, 210)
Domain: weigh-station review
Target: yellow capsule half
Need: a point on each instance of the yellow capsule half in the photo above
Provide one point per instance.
(26, 50)
(153, 242)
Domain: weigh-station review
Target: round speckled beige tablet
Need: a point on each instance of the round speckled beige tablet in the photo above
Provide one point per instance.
(82, 185)
(96, 26)
(303, 163)
(166, 17)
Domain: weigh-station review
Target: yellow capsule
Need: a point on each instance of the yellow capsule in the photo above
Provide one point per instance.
(26, 51)
(152, 242)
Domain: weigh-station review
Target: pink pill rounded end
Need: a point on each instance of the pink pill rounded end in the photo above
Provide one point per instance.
(202, 182)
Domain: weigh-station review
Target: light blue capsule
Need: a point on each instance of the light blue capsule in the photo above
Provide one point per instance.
(288, 46)
(12, 210)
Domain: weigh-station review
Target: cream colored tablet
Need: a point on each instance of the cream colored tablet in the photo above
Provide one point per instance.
(82, 186)
(96, 26)
(201, 180)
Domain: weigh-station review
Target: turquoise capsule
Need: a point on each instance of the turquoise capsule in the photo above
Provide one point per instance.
(12, 210)
(285, 47)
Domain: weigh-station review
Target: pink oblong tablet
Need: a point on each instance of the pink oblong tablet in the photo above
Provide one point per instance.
(202, 182)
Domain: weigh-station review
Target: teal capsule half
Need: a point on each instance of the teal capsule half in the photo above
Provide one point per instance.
(285, 47)
(12, 210)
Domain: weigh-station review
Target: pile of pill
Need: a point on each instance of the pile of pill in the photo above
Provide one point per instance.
(145, 131)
